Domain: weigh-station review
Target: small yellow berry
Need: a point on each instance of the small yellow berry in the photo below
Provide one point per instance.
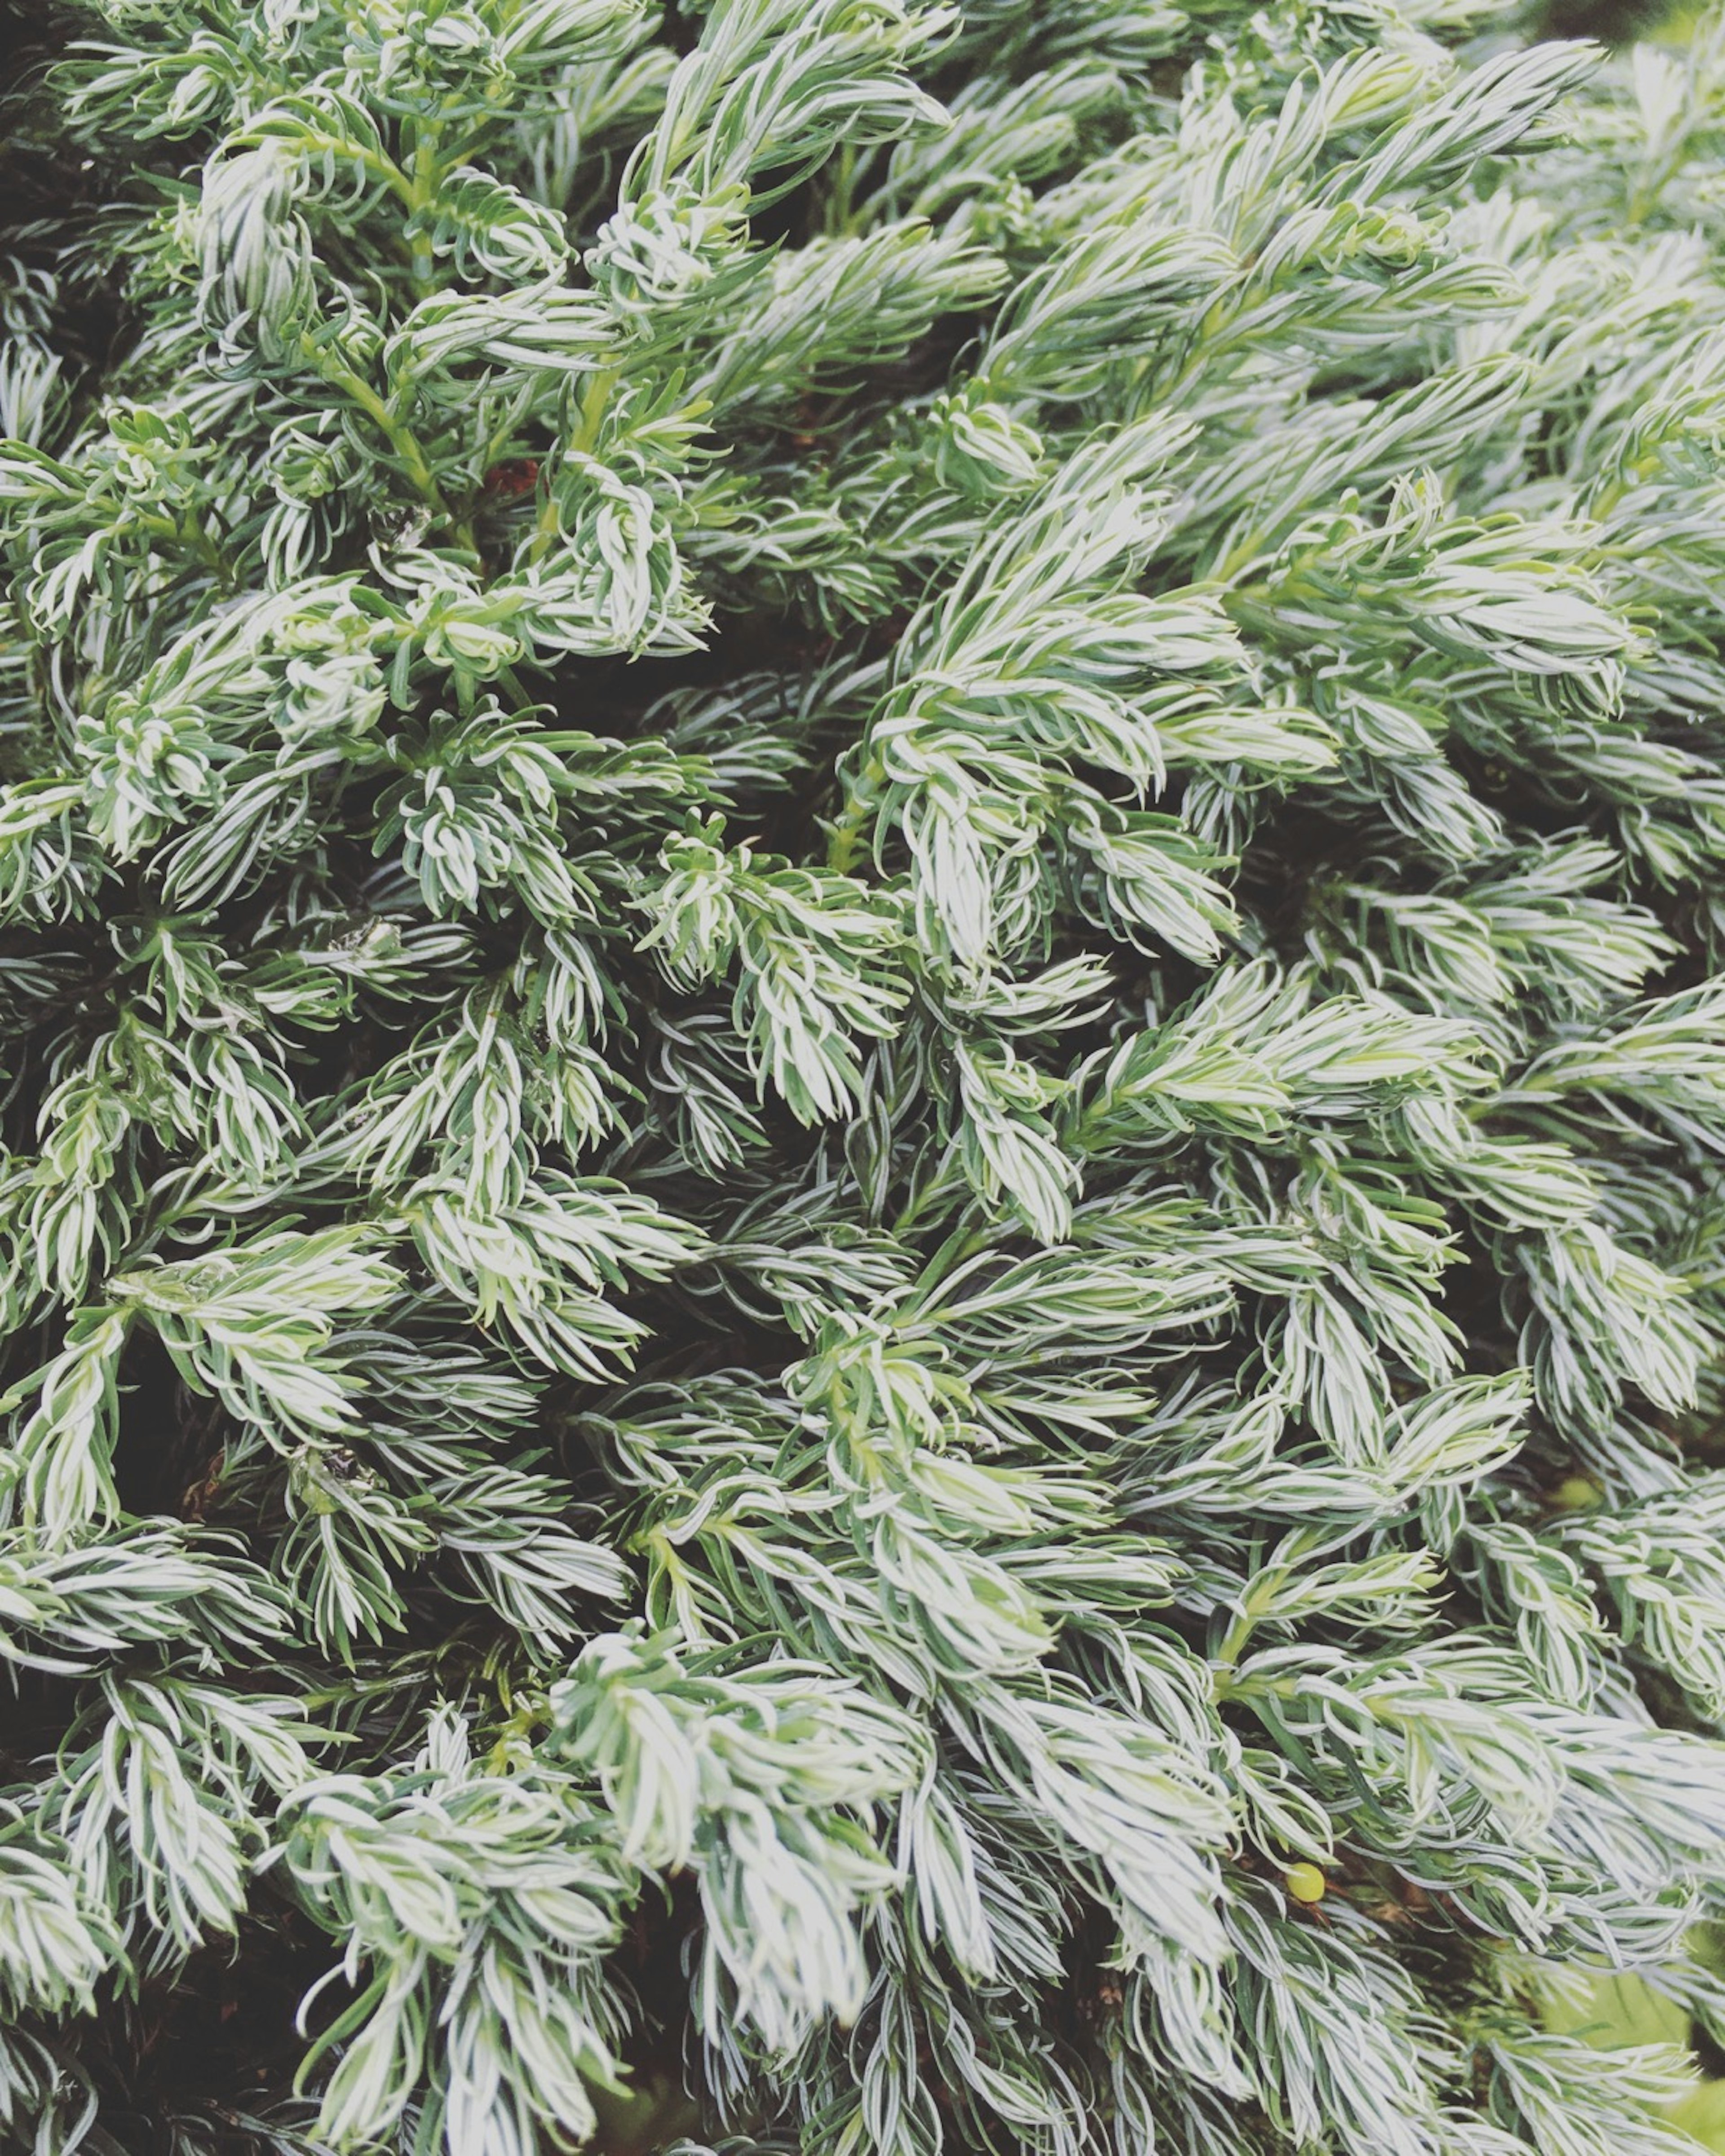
(1576, 1493)
(1305, 1882)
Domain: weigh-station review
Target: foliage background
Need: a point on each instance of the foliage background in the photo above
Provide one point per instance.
(351, 1541)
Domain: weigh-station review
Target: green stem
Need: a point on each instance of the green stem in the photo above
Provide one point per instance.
(194, 536)
(1642, 470)
(845, 836)
(384, 170)
(401, 438)
(427, 178)
(1259, 1597)
(187, 531)
(595, 400)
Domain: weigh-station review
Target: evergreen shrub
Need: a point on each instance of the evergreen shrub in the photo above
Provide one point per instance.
(865, 1075)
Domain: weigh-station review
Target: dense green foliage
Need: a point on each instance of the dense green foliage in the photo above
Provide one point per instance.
(861, 1202)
